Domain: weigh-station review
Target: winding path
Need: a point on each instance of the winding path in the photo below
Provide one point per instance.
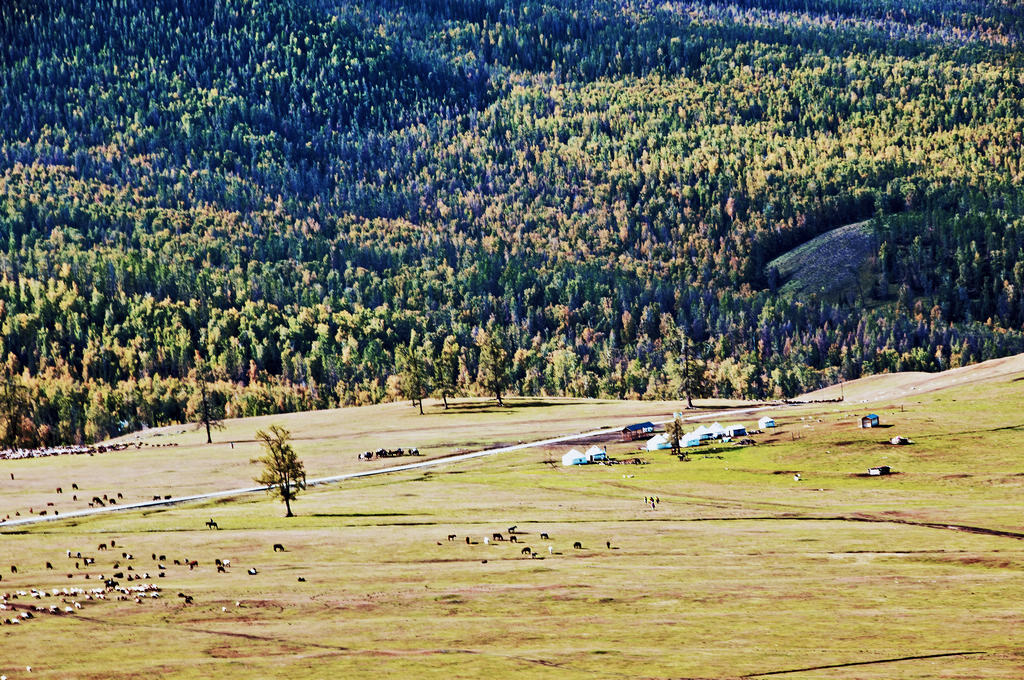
(447, 460)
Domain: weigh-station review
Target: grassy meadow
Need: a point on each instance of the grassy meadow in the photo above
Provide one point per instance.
(739, 571)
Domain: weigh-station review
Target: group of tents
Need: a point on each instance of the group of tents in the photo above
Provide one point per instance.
(594, 454)
(704, 433)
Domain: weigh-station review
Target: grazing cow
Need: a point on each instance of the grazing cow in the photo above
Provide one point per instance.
(497, 537)
(210, 524)
(451, 537)
(302, 579)
(167, 497)
(156, 498)
(60, 490)
(14, 569)
(112, 501)
(74, 486)
(113, 544)
(467, 540)
(526, 551)
(119, 496)
(513, 538)
(101, 546)
(544, 536)
(74, 497)
(49, 566)
(609, 544)
(252, 571)
(221, 569)
(177, 562)
(278, 547)
(577, 545)
(187, 598)
(162, 558)
(512, 529)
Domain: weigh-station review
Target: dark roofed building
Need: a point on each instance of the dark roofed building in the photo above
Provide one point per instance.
(635, 431)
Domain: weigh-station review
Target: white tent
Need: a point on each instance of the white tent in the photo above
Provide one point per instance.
(691, 439)
(658, 441)
(595, 453)
(736, 430)
(574, 457)
(716, 429)
(765, 422)
(701, 432)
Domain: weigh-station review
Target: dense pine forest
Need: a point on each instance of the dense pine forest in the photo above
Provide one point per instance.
(277, 197)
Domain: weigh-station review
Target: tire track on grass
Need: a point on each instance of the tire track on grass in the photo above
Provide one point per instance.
(862, 663)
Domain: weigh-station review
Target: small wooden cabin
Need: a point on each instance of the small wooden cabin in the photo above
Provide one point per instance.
(635, 431)
(870, 420)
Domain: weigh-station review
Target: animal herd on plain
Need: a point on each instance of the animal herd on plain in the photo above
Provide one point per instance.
(109, 584)
(74, 450)
(97, 501)
(513, 537)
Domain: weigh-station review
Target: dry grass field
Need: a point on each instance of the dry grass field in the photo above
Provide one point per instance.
(739, 571)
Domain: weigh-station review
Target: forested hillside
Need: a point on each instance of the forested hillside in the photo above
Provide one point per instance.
(291, 190)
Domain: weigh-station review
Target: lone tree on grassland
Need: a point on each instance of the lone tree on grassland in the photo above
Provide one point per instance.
(283, 472)
(446, 369)
(207, 407)
(414, 371)
(693, 371)
(675, 435)
(493, 370)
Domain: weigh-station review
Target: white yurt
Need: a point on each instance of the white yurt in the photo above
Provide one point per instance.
(736, 430)
(766, 422)
(657, 442)
(574, 457)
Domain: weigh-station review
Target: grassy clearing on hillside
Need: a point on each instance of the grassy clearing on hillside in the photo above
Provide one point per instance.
(831, 264)
(739, 570)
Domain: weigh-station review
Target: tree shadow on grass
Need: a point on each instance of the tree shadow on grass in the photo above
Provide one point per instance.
(492, 406)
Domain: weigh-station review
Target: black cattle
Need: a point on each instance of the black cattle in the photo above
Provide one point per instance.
(278, 547)
(577, 545)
